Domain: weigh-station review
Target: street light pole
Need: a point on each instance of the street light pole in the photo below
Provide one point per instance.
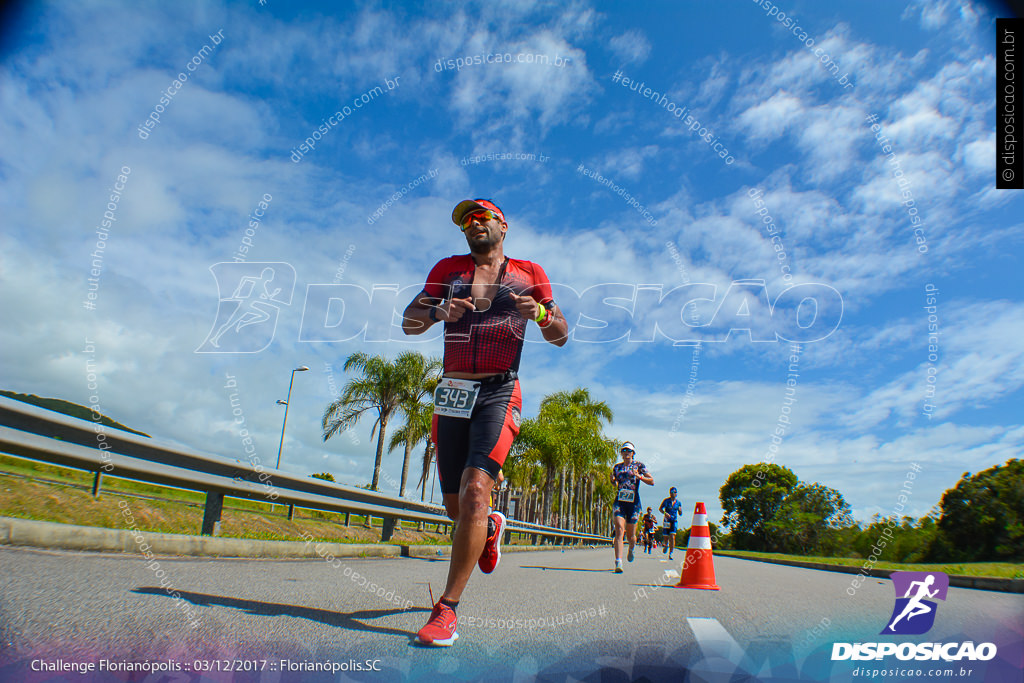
(301, 368)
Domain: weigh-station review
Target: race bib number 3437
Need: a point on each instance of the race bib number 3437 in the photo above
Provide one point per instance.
(455, 397)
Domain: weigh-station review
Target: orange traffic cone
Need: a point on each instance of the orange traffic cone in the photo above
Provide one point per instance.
(698, 568)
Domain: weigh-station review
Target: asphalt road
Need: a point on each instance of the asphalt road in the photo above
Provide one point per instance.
(554, 616)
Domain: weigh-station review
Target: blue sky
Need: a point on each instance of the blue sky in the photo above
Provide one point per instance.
(78, 80)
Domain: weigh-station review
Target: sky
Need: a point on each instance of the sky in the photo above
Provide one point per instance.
(825, 179)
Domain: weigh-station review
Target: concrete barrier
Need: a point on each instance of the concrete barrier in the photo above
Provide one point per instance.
(35, 534)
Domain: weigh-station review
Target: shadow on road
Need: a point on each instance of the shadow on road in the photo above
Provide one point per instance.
(565, 569)
(428, 559)
(273, 609)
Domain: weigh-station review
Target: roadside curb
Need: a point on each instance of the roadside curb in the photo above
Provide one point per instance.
(985, 583)
(54, 535)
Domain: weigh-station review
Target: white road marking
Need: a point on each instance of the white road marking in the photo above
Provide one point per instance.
(714, 640)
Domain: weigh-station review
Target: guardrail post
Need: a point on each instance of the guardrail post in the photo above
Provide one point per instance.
(211, 513)
(508, 538)
(348, 516)
(291, 513)
(96, 483)
(387, 529)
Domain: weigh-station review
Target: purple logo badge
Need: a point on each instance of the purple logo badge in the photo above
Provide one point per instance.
(914, 612)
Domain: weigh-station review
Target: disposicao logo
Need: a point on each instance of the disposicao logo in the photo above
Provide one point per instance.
(258, 291)
(914, 614)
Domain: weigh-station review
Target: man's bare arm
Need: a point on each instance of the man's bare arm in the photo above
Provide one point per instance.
(416, 318)
(556, 331)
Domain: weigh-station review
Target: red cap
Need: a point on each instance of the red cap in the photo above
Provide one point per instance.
(470, 205)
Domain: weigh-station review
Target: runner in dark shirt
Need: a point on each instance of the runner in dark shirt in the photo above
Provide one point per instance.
(485, 301)
(648, 534)
(627, 476)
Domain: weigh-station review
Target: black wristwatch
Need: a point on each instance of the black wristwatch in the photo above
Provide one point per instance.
(433, 314)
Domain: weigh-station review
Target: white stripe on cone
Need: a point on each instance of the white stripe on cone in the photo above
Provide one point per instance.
(699, 543)
(700, 520)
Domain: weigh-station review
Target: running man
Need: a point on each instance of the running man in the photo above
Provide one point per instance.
(253, 306)
(627, 476)
(485, 301)
(671, 507)
(915, 607)
(649, 522)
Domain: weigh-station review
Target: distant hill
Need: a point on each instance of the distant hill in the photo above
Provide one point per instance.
(68, 408)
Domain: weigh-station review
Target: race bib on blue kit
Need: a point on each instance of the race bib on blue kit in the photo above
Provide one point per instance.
(626, 495)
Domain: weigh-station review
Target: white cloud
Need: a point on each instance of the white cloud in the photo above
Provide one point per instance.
(511, 96)
(769, 120)
(629, 162)
(978, 364)
(631, 47)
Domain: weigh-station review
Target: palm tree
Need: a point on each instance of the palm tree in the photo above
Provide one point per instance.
(537, 442)
(428, 460)
(422, 376)
(523, 474)
(415, 430)
(595, 480)
(381, 387)
(604, 492)
(577, 420)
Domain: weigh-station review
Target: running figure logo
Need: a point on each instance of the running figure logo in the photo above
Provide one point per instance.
(913, 614)
(246, 320)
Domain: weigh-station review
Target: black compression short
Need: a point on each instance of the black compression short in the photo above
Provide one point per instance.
(483, 440)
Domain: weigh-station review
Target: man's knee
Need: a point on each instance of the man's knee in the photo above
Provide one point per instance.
(476, 490)
(451, 505)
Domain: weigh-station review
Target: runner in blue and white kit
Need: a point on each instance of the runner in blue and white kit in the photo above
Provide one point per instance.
(671, 508)
(627, 476)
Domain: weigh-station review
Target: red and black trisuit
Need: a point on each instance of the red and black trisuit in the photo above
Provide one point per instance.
(489, 341)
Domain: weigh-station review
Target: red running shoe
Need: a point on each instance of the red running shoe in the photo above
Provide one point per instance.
(491, 555)
(440, 628)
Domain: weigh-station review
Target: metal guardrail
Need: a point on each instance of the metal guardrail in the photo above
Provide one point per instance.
(38, 434)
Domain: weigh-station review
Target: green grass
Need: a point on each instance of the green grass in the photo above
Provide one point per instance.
(1005, 570)
(38, 491)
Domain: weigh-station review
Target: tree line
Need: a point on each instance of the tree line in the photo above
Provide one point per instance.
(980, 519)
